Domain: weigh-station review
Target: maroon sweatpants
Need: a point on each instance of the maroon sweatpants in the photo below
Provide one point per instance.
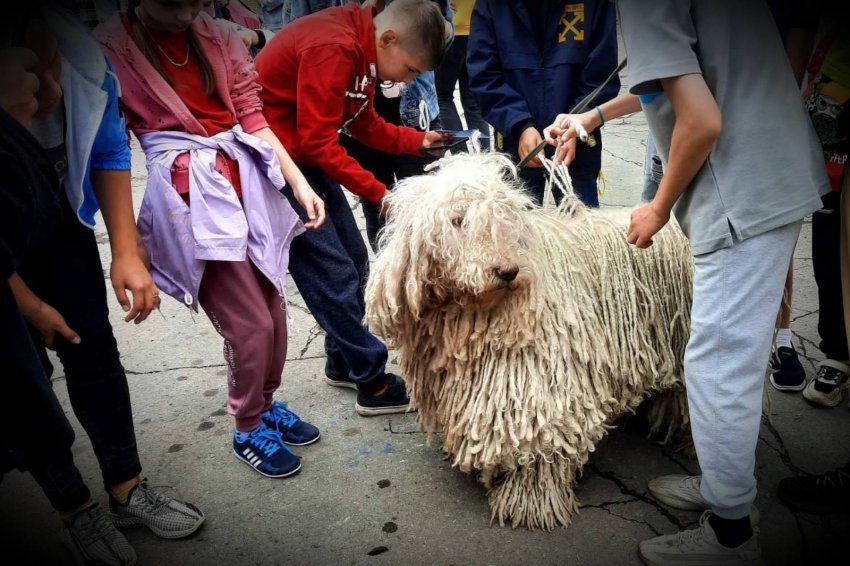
(248, 312)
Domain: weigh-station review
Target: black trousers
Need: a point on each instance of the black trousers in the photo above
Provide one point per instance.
(67, 274)
(386, 167)
(34, 433)
(826, 261)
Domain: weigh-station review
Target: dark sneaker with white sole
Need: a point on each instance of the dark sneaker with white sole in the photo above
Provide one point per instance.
(93, 539)
(292, 429)
(788, 373)
(165, 516)
(337, 372)
(393, 400)
(822, 494)
(825, 389)
(266, 452)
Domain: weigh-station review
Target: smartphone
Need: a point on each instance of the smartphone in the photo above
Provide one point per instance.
(455, 139)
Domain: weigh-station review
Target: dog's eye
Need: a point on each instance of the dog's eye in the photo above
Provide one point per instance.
(457, 221)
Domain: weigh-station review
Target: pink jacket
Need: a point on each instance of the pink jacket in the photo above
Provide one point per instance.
(151, 103)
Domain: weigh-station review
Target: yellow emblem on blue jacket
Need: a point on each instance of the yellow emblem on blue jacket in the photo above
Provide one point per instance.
(572, 20)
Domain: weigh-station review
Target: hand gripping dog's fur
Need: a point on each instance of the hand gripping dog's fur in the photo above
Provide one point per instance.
(523, 332)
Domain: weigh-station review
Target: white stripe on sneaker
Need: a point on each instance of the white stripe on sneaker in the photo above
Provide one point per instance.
(246, 451)
(254, 460)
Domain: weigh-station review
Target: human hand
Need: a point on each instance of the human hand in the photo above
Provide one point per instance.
(129, 273)
(564, 132)
(249, 37)
(311, 202)
(530, 139)
(646, 221)
(49, 322)
(434, 138)
(18, 86)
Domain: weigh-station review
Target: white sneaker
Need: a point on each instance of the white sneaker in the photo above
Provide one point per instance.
(698, 546)
(682, 492)
(825, 389)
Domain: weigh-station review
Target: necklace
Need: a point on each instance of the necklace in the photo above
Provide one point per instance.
(161, 50)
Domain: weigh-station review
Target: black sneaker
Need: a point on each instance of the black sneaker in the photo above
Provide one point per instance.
(393, 400)
(822, 494)
(788, 373)
(337, 372)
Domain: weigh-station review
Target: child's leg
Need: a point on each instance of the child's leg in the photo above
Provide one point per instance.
(235, 301)
(277, 311)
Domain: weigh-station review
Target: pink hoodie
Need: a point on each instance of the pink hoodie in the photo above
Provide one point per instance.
(151, 103)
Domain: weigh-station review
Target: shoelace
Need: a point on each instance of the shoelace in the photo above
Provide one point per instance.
(827, 373)
(267, 440)
(283, 415)
(94, 530)
(154, 500)
(689, 540)
(835, 478)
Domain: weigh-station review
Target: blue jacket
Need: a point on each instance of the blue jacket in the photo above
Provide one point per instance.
(517, 85)
(96, 135)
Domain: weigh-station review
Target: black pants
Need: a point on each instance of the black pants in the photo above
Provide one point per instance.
(452, 70)
(329, 265)
(34, 433)
(386, 167)
(67, 274)
(826, 261)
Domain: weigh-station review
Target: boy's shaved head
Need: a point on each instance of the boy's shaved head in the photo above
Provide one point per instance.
(420, 28)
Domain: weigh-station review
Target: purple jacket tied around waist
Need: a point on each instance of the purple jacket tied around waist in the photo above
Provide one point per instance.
(216, 226)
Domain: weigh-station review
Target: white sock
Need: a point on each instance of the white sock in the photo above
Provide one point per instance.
(783, 338)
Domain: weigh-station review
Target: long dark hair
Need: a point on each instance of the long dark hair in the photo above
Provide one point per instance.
(145, 43)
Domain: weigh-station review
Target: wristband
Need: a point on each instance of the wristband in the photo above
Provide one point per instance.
(601, 116)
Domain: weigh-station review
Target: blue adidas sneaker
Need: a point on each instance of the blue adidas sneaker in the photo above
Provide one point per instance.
(294, 431)
(265, 451)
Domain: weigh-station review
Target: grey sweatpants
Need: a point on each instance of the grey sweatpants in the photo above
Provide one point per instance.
(737, 292)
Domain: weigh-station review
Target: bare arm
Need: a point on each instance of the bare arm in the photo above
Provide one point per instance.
(698, 125)
(302, 190)
(128, 270)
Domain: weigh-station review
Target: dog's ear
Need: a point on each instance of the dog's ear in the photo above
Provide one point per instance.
(387, 304)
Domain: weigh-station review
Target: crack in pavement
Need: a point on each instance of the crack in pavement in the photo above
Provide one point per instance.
(315, 332)
(604, 507)
(673, 459)
(615, 156)
(804, 315)
(391, 431)
(780, 449)
(626, 490)
(296, 306)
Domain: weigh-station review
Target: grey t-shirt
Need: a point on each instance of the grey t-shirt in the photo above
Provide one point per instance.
(766, 170)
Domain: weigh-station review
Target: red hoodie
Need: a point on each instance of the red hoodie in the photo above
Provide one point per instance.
(318, 73)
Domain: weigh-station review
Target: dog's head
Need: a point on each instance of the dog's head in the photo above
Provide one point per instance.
(455, 235)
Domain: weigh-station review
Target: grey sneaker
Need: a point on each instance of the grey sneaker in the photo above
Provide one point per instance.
(825, 389)
(92, 539)
(683, 492)
(165, 516)
(698, 546)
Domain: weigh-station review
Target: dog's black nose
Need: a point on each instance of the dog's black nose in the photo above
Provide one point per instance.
(507, 273)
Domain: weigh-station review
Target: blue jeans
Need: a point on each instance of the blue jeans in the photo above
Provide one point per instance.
(330, 265)
(68, 275)
(652, 171)
(452, 70)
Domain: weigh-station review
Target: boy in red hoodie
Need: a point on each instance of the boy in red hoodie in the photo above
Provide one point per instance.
(319, 76)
